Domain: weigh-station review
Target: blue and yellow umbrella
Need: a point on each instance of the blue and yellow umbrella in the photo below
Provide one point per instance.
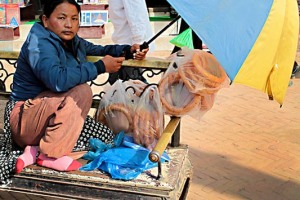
(255, 41)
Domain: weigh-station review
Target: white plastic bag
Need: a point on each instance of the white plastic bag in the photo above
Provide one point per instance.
(148, 121)
(115, 109)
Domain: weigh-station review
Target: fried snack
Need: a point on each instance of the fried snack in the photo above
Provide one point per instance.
(203, 75)
(123, 121)
(207, 102)
(209, 68)
(148, 121)
(143, 130)
(171, 80)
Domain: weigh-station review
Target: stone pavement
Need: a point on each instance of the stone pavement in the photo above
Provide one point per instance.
(245, 147)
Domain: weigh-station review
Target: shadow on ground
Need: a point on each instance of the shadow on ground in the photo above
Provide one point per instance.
(218, 173)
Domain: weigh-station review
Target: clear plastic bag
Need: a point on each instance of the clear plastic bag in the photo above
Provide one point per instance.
(134, 89)
(202, 74)
(190, 83)
(115, 109)
(176, 99)
(148, 121)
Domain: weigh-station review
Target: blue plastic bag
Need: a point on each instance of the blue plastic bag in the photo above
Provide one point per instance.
(124, 162)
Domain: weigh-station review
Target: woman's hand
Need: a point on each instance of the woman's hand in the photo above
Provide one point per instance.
(137, 54)
(112, 64)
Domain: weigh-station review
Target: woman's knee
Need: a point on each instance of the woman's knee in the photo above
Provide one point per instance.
(84, 90)
(82, 96)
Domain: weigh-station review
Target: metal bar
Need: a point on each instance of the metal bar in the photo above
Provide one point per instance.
(162, 30)
(159, 174)
(164, 139)
(175, 141)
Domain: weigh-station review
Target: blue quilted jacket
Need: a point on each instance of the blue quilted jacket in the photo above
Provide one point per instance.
(45, 63)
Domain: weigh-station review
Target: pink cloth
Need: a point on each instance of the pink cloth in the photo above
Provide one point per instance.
(53, 121)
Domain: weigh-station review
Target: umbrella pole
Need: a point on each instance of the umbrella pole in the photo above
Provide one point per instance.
(145, 45)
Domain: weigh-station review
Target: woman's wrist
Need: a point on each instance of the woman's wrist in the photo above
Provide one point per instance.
(100, 66)
(128, 52)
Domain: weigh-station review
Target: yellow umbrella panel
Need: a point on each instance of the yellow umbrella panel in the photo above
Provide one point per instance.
(269, 64)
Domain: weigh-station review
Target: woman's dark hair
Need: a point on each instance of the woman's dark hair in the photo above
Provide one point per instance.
(50, 5)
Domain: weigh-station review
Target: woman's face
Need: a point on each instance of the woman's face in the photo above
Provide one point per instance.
(64, 21)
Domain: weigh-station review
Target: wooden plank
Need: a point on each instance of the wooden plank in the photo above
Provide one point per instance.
(97, 185)
(153, 63)
(9, 54)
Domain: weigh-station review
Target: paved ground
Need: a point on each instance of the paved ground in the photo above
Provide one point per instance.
(246, 147)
